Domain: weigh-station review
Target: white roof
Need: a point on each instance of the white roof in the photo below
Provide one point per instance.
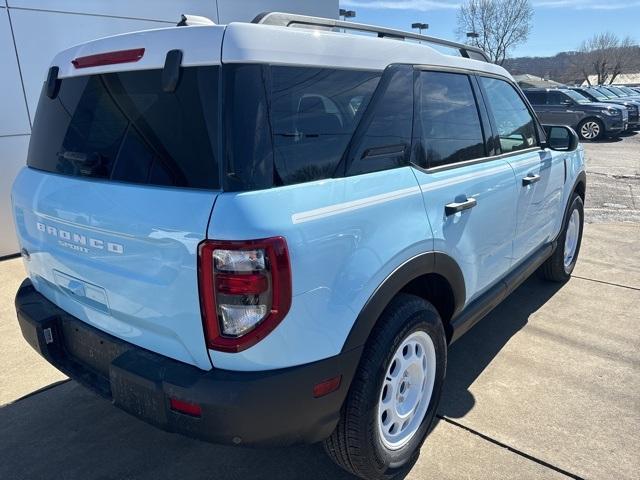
(255, 43)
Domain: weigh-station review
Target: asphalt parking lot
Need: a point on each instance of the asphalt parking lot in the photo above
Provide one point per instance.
(547, 386)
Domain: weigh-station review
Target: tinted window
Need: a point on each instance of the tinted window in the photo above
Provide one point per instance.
(124, 127)
(536, 98)
(248, 139)
(314, 113)
(556, 98)
(577, 97)
(515, 125)
(383, 139)
(596, 94)
(448, 117)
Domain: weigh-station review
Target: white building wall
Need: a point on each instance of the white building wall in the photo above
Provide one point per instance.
(33, 31)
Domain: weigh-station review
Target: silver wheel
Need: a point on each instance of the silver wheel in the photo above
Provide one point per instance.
(590, 130)
(571, 239)
(406, 390)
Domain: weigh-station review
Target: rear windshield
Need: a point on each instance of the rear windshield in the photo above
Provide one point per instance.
(124, 127)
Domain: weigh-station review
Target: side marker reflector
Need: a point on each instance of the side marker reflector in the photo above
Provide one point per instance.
(187, 408)
(326, 387)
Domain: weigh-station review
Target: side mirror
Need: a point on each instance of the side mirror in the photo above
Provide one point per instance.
(566, 103)
(561, 138)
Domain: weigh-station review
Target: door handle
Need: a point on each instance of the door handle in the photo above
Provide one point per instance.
(530, 179)
(455, 207)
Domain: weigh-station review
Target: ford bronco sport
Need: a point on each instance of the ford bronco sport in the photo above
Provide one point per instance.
(268, 233)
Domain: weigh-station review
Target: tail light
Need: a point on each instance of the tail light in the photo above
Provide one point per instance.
(108, 58)
(245, 290)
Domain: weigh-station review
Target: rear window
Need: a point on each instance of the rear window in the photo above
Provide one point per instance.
(124, 127)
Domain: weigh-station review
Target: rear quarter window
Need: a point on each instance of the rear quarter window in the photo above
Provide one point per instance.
(314, 113)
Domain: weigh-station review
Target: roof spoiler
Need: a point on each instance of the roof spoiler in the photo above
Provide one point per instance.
(305, 21)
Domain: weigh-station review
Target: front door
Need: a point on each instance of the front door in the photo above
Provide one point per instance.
(539, 173)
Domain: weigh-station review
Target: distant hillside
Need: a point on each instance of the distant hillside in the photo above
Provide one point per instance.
(559, 67)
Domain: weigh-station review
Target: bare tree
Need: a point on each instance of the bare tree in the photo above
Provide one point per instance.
(499, 25)
(605, 56)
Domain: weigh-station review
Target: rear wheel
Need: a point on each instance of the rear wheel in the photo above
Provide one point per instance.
(560, 265)
(394, 396)
(591, 129)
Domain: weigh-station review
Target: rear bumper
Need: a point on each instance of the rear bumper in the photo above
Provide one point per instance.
(264, 408)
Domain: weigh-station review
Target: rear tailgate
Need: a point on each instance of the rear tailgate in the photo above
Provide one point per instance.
(121, 182)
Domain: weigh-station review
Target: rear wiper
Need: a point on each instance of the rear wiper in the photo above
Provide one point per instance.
(87, 164)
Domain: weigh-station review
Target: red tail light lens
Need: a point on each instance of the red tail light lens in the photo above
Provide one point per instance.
(245, 290)
(109, 58)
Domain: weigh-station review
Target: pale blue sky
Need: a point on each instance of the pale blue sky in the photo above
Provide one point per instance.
(558, 25)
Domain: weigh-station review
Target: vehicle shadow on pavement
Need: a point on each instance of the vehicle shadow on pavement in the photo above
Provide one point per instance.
(68, 432)
(470, 355)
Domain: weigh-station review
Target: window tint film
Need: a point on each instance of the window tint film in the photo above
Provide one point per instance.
(124, 127)
(556, 98)
(449, 121)
(314, 112)
(383, 139)
(536, 98)
(516, 127)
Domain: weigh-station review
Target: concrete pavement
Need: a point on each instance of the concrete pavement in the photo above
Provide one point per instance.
(613, 179)
(547, 386)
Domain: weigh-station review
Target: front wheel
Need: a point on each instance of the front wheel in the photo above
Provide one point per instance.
(393, 398)
(591, 129)
(559, 266)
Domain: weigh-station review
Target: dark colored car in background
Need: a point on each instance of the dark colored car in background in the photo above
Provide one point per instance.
(591, 120)
(632, 105)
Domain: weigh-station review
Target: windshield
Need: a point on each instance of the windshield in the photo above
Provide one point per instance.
(611, 92)
(606, 93)
(576, 97)
(598, 95)
(618, 91)
(124, 127)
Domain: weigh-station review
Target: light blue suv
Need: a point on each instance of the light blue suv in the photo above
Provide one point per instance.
(261, 234)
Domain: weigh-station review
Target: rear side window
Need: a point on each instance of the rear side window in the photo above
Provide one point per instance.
(449, 121)
(536, 98)
(314, 112)
(124, 127)
(515, 125)
(557, 98)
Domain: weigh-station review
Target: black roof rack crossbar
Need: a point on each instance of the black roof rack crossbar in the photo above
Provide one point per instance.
(292, 20)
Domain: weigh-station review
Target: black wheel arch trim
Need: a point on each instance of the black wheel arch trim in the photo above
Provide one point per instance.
(580, 179)
(430, 262)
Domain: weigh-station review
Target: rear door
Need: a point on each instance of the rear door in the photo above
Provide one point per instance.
(538, 100)
(561, 110)
(122, 176)
(469, 193)
(539, 173)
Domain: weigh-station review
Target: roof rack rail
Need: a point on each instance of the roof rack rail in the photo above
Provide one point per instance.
(292, 20)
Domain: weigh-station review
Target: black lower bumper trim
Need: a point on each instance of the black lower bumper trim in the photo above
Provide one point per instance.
(266, 408)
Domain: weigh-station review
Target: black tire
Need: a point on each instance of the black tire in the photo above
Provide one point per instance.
(355, 445)
(553, 268)
(582, 134)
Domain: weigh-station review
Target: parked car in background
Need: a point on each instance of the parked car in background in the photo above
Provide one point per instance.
(591, 120)
(615, 92)
(632, 105)
(629, 91)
